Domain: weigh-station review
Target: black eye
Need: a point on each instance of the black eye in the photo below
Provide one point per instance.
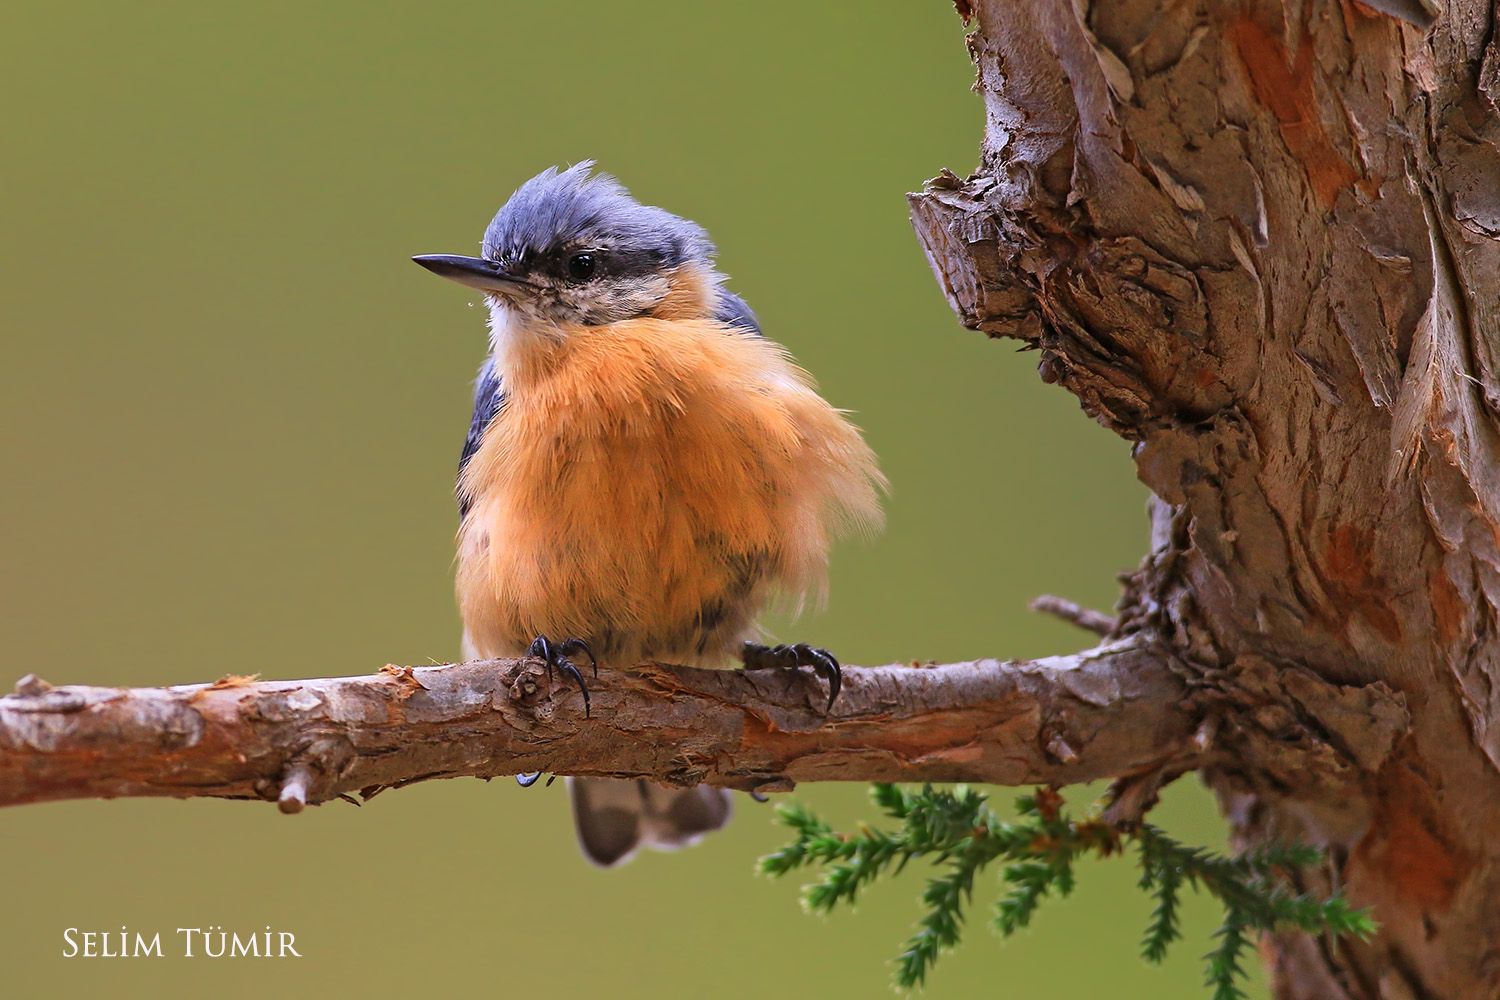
(580, 266)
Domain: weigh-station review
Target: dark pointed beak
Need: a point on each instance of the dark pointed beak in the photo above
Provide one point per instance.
(475, 272)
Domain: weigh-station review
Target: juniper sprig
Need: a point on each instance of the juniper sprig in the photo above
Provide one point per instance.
(958, 832)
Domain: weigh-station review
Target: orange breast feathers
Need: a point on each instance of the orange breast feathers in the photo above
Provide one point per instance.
(647, 486)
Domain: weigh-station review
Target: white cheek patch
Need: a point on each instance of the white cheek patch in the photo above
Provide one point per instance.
(503, 327)
(513, 332)
(502, 322)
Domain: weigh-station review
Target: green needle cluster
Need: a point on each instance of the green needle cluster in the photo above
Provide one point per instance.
(957, 832)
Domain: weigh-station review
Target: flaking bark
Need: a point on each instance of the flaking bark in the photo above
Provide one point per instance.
(1119, 709)
(1261, 241)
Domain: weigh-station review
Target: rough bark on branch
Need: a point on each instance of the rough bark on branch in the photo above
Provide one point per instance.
(1119, 709)
(1260, 240)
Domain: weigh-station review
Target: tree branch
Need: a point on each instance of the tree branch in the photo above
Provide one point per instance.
(1118, 709)
(1074, 613)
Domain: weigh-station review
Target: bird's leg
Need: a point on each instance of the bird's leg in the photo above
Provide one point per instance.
(556, 654)
(758, 657)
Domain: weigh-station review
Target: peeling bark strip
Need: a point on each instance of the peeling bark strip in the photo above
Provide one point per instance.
(1261, 241)
(1117, 709)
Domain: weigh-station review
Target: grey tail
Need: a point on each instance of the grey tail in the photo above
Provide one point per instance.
(614, 818)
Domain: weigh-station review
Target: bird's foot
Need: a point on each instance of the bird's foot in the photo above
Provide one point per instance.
(556, 654)
(758, 657)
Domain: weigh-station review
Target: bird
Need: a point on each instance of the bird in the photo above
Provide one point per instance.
(644, 472)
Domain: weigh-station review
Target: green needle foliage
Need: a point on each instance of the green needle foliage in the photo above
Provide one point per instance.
(959, 834)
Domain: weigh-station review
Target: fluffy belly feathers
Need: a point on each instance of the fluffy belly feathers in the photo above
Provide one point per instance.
(646, 486)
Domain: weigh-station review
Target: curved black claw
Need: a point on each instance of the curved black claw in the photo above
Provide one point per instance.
(758, 657)
(529, 778)
(556, 655)
(575, 646)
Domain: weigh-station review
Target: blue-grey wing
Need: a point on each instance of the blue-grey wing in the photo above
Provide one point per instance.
(732, 311)
(487, 398)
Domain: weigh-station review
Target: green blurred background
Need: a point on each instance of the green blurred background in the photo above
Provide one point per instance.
(232, 410)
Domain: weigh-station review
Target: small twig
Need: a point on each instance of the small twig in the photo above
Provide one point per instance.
(1086, 618)
(1059, 748)
(293, 798)
(1208, 729)
(1133, 796)
(32, 686)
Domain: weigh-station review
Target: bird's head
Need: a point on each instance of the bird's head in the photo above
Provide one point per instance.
(573, 248)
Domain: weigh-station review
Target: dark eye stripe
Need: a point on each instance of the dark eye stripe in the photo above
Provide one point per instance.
(612, 262)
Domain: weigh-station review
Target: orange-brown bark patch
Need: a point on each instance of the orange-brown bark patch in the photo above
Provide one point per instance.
(1348, 571)
(1407, 848)
(1286, 88)
(1447, 606)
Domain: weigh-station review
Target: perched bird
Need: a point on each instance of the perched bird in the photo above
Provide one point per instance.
(644, 471)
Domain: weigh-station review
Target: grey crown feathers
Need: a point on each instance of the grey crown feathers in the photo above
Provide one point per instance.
(571, 209)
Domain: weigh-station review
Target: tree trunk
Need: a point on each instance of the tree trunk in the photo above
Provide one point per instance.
(1259, 241)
